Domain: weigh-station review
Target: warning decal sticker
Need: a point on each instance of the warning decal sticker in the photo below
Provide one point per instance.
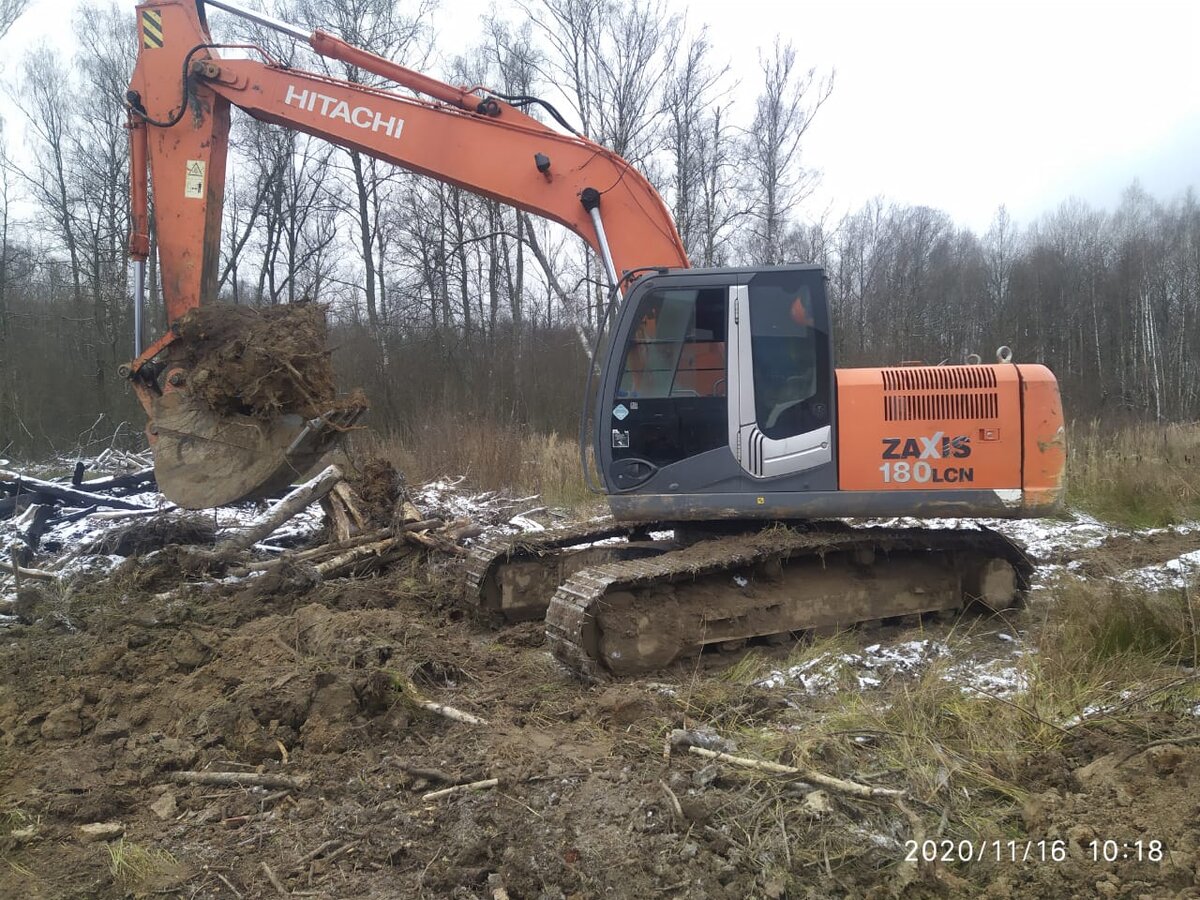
(152, 30)
(193, 182)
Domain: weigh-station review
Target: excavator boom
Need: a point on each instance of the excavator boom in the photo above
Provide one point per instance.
(180, 98)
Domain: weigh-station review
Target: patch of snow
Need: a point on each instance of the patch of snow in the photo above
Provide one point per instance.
(446, 499)
(526, 525)
(1094, 710)
(824, 674)
(1173, 574)
(870, 667)
(1043, 539)
(994, 677)
(91, 565)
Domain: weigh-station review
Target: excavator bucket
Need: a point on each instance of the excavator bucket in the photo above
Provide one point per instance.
(203, 460)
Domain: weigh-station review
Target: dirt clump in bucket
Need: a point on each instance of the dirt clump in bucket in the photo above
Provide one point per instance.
(258, 362)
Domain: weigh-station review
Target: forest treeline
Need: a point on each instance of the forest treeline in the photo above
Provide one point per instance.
(447, 304)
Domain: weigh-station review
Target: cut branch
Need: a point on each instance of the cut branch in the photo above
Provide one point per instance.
(827, 781)
(298, 500)
(22, 572)
(63, 492)
(484, 785)
(238, 779)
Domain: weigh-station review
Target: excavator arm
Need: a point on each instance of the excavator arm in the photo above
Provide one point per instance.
(179, 104)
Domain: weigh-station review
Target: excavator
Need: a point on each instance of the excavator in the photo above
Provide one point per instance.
(733, 454)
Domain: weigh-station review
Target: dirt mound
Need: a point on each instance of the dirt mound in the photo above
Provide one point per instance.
(258, 361)
(323, 682)
(1127, 820)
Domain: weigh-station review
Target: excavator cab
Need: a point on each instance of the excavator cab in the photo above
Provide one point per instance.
(715, 379)
(719, 400)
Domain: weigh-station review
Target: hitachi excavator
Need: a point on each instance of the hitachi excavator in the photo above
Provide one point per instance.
(730, 448)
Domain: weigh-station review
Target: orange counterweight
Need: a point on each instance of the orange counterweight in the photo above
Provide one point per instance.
(916, 428)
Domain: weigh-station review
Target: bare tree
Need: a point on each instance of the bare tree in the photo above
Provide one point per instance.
(10, 11)
(777, 183)
(389, 30)
(692, 105)
(43, 96)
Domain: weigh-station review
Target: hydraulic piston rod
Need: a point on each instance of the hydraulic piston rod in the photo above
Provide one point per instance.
(590, 197)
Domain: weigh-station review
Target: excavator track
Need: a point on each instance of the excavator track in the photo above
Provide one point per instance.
(638, 615)
(512, 578)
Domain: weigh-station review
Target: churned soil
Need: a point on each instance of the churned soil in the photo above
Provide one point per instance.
(120, 684)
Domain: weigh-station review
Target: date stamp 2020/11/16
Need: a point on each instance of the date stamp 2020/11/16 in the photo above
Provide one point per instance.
(967, 851)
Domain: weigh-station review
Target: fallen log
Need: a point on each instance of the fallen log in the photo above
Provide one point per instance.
(330, 559)
(13, 506)
(317, 552)
(36, 519)
(120, 482)
(460, 531)
(366, 551)
(433, 543)
(296, 501)
(62, 492)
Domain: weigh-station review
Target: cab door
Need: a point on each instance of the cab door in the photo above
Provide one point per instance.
(780, 359)
(668, 400)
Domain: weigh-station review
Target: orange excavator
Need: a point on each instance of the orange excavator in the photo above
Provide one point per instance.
(730, 448)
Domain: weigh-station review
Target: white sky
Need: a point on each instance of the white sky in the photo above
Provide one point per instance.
(961, 105)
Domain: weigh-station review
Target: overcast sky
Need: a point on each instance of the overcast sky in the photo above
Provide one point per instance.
(958, 105)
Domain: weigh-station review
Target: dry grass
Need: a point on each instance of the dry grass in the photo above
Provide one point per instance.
(1106, 655)
(134, 866)
(1136, 475)
(492, 456)
(1093, 623)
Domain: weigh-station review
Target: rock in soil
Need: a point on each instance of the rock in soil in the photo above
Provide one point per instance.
(100, 831)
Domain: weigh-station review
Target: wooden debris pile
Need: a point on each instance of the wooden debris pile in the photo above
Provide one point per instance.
(31, 506)
(51, 530)
(358, 543)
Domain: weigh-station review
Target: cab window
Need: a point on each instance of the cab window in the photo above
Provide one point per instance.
(677, 346)
(790, 353)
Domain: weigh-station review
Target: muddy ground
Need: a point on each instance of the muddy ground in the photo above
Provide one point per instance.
(113, 690)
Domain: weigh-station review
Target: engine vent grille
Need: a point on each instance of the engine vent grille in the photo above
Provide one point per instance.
(939, 378)
(941, 406)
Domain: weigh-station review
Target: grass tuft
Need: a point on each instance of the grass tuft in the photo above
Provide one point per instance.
(1094, 623)
(1139, 475)
(133, 865)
